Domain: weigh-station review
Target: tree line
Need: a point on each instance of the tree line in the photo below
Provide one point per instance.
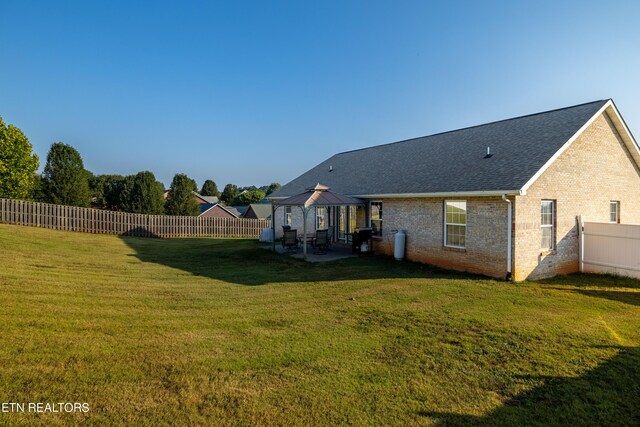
(65, 181)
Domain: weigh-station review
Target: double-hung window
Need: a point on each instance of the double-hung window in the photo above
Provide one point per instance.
(376, 218)
(287, 215)
(547, 224)
(455, 223)
(614, 212)
(321, 218)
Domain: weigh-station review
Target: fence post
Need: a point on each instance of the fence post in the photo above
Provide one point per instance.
(580, 244)
(88, 220)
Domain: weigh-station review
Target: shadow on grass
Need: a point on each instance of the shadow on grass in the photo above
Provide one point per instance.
(606, 395)
(583, 280)
(245, 262)
(615, 288)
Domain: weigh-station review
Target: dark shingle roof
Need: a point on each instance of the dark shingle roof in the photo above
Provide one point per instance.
(453, 161)
(262, 210)
(241, 210)
(205, 207)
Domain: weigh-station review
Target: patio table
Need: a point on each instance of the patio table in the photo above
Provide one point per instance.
(311, 238)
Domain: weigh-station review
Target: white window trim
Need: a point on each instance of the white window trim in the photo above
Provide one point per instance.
(288, 215)
(381, 219)
(318, 218)
(617, 204)
(552, 225)
(444, 224)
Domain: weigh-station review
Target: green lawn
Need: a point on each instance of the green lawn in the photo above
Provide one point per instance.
(222, 332)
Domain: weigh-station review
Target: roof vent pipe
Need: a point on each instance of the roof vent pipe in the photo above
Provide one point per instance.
(488, 153)
(330, 168)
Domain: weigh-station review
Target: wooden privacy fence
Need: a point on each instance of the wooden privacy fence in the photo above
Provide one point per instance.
(89, 220)
(610, 248)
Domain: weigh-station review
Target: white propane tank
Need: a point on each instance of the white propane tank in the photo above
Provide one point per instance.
(398, 250)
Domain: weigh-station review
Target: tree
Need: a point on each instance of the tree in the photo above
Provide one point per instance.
(38, 192)
(65, 176)
(268, 189)
(18, 165)
(142, 193)
(209, 188)
(249, 196)
(229, 194)
(181, 200)
(106, 191)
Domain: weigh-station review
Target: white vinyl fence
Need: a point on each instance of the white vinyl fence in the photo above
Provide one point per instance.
(610, 248)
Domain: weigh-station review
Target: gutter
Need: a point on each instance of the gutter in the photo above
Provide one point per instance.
(509, 227)
(426, 195)
(442, 194)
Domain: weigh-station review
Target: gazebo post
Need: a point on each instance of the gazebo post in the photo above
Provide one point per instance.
(273, 227)
(304, 231)
(317, 196)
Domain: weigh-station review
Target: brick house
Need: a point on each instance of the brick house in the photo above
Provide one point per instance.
(499, 199)
(258, 211)
(216, 210)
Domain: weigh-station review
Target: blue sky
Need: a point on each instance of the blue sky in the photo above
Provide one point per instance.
(255, 92)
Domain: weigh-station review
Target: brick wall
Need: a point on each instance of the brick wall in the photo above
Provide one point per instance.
(423, 220)
(596, 169)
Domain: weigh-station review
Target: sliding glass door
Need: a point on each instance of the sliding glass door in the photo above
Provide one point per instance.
(346, 222)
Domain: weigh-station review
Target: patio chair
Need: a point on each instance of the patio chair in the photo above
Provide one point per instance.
(321, 242)
(331, 231)
(290, 239)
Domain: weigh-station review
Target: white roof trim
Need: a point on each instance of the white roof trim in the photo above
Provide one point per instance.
(446, 194)
(624, 132)
(225, 209)
(427, 195)
(618, 122)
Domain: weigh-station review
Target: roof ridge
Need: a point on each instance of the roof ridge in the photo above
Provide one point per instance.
(474, 126)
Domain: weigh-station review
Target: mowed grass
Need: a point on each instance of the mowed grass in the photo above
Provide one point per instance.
(222, 332)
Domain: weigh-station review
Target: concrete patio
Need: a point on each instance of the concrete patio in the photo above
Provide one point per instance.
(333, 253)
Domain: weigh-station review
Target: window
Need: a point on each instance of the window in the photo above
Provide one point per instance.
(376, 218)
(547, 224)
(321, 218)
(352, 220)
(287, 215)
(455, 223)
(614, 212)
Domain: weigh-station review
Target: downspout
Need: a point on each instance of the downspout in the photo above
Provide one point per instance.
(509, 225)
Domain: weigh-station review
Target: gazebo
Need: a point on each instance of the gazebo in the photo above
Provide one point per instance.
(317, 196)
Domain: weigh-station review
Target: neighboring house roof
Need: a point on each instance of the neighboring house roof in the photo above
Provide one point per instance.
(209, 206)
(240, 209)
(205, 207)
(457, 161)
(261, 210)
(211, 199)
(206, 199)
(201, 199)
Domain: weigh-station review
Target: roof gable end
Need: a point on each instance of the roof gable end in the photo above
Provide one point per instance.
(611, 110)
